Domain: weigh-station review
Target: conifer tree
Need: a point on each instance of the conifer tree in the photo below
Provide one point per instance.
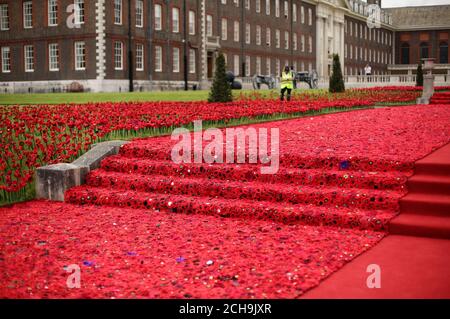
(336, 80)
(221, 89)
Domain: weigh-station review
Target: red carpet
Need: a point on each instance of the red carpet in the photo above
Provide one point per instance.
(145, 227)
(425, 210)
(411, 267)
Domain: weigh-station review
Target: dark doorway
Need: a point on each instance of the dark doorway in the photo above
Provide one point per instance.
(443, 52)
(210, 62)
(405, 53)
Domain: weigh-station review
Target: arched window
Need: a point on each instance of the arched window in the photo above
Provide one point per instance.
(424, 50)
(443, 52)
(405, 53)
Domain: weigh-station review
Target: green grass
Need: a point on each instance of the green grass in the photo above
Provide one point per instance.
(79, 98)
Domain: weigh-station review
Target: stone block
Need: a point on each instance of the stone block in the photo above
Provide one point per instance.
(97, 153)
(53, 180)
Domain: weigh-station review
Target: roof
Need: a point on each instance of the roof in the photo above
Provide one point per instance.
(410, 18)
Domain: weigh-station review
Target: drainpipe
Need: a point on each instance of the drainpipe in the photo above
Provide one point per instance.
(185, 40)
(130, 50)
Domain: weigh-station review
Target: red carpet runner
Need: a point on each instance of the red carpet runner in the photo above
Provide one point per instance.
(425, 210)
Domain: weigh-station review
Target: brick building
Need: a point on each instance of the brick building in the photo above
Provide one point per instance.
(47, 45)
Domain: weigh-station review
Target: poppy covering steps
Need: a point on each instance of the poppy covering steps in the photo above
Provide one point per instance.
(324, 182)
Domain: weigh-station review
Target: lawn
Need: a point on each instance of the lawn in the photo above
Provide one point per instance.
(79, 98)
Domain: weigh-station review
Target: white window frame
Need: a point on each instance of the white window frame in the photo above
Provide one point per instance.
(158, 58)
(4, 17)
(248, 63)
(80, 56)
(28, 54)
(158, 17)
(118, 55)
(79, 11)
(175, 20)
(224, 32)
(258, 35)
(176, 60)
(236, 64)
(268, 4)
(139, 57)
(118, 9)
(139, 13)
(6, 60)
(236, 31)
(209, 25)
(192, 22)
(53, 57)
(192, 61)
(52, 9)
(28, 14)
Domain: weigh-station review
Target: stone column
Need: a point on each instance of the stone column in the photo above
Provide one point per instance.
(320, 45)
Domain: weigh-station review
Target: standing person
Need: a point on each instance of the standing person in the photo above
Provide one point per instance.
(287, 83)
(368, 71)
(295, 78)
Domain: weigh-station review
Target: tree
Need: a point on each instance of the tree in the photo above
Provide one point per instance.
(336, 79)
(419, 78)
(221, 89)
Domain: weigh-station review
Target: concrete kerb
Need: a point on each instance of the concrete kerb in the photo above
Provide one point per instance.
(52, 181)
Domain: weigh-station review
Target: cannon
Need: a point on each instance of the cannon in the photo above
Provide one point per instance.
(235, 85)
(311, 78)
(259, 80)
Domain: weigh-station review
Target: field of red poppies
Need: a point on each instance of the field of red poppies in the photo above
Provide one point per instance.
(33, 136)
(146, 227)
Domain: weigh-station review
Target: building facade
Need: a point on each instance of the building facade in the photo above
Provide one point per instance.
(118, 45)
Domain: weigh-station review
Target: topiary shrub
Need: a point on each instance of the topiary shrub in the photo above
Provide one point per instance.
(336, 80)
(221, 89)
(419, 78)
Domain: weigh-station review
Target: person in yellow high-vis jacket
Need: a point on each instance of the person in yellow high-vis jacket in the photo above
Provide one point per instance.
(287, 83)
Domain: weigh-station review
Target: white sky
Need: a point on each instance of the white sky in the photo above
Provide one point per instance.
(408, 3)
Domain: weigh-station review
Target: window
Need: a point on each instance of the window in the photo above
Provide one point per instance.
(286, 40)
(247, 33)
(310, 16)
(258, 35)
(247, 66)
(310, 44)
(176, 60)
(29, 58)
(277, 8)
(192, 61)
(294, 41)
(175, 20)
(302, 14)
(158, 58)
(268, 37)
(258, 6)
(209, 25)
(236, 31)
(28, 14)
(117, 11)
(158, 17)
(294, 12)
(224, 29)
(247, 4)
(6, 59)
(443, 52)
(139, 13)
(52, 12)
(258, 65)
(424, 50)
(268, 7)
(268, 66)
(277, 65)
(4, 17)
(139, 57)
(236, 3)
(53, 57)
(79, 11)
(286, 9)
(236, 65)
(302, 43)
(191, 22)
(118, 55)
(80, 56)
(277, 38)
